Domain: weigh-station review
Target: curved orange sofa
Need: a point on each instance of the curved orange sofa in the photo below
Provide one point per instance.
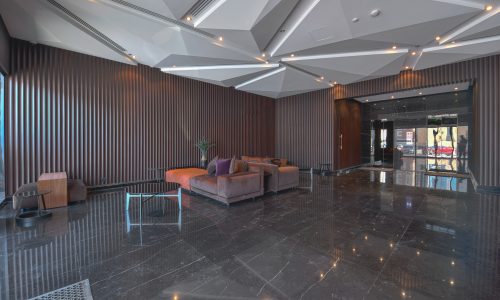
(183, 175)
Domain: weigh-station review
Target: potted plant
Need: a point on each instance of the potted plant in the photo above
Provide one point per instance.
(204, 144)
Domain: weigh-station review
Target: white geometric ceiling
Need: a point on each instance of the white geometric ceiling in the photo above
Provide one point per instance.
(273, 48)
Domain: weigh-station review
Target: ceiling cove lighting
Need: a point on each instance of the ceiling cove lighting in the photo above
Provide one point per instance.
(468, 25)
(348, 54)
(282, 69)
(218, 67)
(465, 43)
(294, 26)
(210, 10)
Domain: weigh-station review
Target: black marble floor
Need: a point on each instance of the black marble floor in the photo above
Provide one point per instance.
(356, 236)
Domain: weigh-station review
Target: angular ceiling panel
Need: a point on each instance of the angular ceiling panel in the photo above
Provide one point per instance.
(350, 67)
(337, 40)
(458, 51)
(282, 82)
(39, 22)
(149, 40)
(329, 22)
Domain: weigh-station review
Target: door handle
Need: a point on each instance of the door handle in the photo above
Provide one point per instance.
(341, 141)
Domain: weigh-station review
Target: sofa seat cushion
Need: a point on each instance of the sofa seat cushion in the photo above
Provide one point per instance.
(288, 175)
(182, 176)
(239, 184)
(206, 183)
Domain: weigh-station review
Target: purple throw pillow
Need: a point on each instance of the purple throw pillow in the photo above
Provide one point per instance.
(222, 167)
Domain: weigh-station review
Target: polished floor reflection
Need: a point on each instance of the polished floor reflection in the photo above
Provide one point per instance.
(356, 236)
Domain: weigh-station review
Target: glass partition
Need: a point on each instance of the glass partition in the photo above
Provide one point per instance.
(423, 134)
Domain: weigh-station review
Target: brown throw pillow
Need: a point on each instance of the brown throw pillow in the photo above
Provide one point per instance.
(238, 166)
(232, 167)
(212, 165)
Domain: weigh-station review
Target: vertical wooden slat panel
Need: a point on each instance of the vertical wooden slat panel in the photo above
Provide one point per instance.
(294, 129)
(96, 118)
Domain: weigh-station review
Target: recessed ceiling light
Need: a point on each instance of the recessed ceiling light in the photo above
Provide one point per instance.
(221, 38)
(355, 20)
(420, 93)
(263, 55)
(367, 100)
(133, 56)
(292, 55)
(173, 66)
(322, 77)
(456, 88)
(414, 53)
(375, 13)
(407, 67)
(188, 19)
(489, 7)
(335, 82)
(438, 38)
(392, 97)
(394, 47)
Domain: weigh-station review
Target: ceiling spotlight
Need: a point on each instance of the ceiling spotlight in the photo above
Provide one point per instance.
(456, 88)
(420, 93)
(392, 97)
(292, 55)
(355, 20)
(367, 100)
(173, 66)
(188, 19)
(414, 53)
(335, 82)
(438, 38)
(322, 77)
(489, 7)
(375, 13)
(407, 67)
(394, 47)
(263, 55)
(133, 56)
(221, 39)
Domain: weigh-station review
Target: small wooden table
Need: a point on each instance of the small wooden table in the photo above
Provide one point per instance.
(57, 183)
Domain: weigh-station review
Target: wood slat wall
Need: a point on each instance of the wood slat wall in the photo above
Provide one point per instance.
(299, 117)
(97, 118)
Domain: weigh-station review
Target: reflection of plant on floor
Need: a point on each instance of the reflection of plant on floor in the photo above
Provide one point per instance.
(204, 145)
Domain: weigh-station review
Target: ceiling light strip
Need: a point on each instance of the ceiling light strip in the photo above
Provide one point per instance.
(277, 71)
(207, 12)
(464, 43)
(468, 25)
(472, 4)
(293, 27)
(347, 54)
(219, 67)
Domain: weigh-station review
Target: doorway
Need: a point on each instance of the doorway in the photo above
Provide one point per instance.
(382, 143)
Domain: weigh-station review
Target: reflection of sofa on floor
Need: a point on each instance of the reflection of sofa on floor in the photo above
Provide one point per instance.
(280, 176)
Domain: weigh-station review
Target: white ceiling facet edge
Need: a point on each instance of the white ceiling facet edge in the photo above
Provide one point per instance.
(223, 75)
(345, 68)
(449, 88)
(403, 22)
(456, 52)
(282, 82)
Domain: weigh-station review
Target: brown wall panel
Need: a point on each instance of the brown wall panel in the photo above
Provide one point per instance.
(96, 118)
(485, 72)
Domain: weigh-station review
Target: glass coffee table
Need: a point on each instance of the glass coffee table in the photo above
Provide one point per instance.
(158, 212)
